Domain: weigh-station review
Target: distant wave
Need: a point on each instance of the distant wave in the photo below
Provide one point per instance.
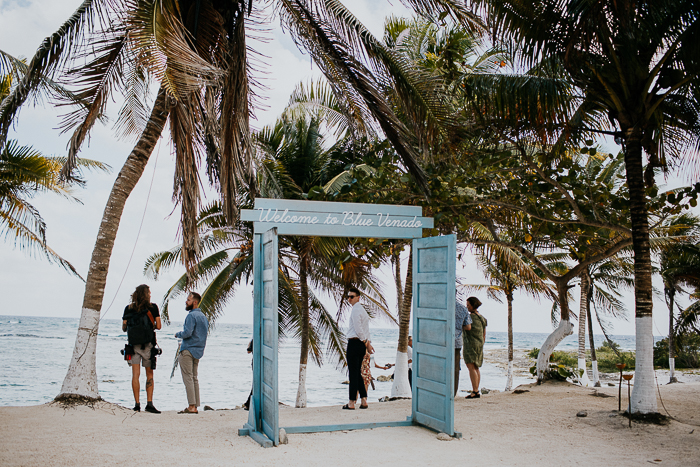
(31, 335)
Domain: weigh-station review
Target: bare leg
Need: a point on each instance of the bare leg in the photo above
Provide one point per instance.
(474, 376)
(149, 384)
(135, 374)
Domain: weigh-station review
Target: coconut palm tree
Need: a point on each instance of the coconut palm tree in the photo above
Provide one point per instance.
(634, 62)
(679, 267)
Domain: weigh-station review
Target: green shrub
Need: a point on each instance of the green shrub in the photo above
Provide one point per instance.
(607, 359)
(559, 372)
(687, 351)
(609, 346)
(558, 356)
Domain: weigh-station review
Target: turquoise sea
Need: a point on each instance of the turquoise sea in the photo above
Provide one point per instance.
(35, 353)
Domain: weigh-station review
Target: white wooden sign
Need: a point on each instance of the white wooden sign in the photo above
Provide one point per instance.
(329, 219)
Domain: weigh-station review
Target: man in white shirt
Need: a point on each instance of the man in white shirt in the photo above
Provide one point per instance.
(358, 344)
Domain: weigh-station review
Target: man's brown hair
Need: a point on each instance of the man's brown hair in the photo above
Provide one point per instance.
(197, 297)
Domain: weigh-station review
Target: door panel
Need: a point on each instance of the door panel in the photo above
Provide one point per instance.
(265, 336)
(434, 270)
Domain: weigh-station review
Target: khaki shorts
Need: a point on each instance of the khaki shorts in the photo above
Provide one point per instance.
(142, 356)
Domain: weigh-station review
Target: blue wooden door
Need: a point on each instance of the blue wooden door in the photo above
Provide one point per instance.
(265, 338)
(434, 270)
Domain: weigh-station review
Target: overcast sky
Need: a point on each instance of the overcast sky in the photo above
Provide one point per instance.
(33, 287)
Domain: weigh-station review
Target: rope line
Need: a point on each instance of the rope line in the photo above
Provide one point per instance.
(138, 234)
(133, 250)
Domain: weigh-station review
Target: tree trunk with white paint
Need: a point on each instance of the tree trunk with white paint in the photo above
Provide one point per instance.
(81, 378)
(301, 390)
(644, 392)
(594, 359)
(564, 329)
(305, 245)
(583, 307)
(643, 396)
(671, 346)
(509, 377)
(401, 387)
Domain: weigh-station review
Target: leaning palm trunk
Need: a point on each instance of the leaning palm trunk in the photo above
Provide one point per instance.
(305, 323)
(564, 329)
(509, 378)
(401, 386)
(583, 304)
(81, 379)
(643, 399)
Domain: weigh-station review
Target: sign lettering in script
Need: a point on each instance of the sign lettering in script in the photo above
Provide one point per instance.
(327, 219)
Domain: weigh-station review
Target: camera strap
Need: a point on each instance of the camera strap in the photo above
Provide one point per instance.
(150, 317)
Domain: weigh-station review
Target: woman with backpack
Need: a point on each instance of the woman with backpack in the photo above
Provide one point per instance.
(140, 321)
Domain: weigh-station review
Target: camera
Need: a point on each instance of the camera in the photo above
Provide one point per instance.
(155, 351)
(127, 351)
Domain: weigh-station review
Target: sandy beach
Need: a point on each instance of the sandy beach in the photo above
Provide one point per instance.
(538, 425)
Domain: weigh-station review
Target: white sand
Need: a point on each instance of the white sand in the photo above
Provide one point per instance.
(538, 427)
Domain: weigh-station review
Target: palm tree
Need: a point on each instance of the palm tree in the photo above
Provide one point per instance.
(601, 286)
(679, 266)
(634, 62)
(294, 152)
(196, 50)
(24, 173)
(508, 271)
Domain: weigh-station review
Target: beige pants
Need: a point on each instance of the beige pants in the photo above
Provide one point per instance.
(188, 368)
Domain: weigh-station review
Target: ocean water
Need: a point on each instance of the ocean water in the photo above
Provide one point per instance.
(35, 353)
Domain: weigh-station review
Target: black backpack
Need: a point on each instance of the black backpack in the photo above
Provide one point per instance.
(139, 329)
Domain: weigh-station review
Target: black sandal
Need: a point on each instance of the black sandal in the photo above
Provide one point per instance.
(473, 395)
(347, 407)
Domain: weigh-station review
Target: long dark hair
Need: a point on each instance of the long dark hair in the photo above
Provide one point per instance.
(139, 300)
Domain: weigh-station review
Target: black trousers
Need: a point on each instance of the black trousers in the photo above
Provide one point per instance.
(355, 355)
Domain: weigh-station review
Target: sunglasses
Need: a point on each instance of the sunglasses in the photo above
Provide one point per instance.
(351, 296)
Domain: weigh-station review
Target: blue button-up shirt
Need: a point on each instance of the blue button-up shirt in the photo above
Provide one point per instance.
(194, 333)
(462, 318)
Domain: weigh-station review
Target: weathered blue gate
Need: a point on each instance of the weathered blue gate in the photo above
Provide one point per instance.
(434, 269)
(433, 305)
(263, 415)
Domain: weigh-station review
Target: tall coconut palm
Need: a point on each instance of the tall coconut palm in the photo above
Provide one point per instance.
(634, 62)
